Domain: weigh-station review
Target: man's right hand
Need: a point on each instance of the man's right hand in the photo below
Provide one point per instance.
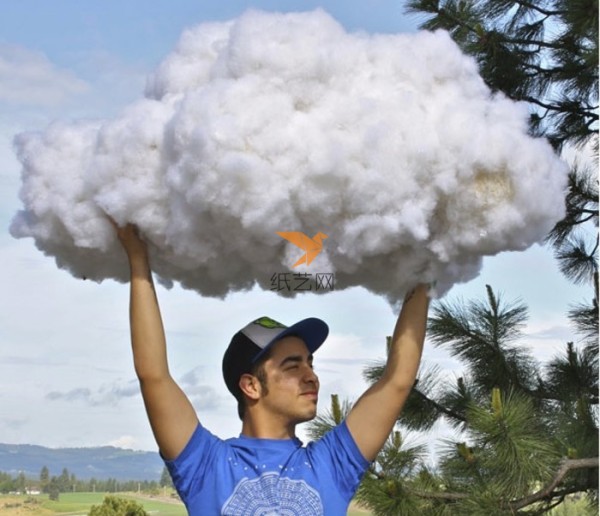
(130, 239)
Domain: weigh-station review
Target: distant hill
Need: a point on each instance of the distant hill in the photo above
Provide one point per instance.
(85, 463)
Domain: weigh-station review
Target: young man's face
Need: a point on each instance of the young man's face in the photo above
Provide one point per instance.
(292, 385)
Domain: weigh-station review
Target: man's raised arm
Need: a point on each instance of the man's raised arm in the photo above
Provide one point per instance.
(171, 415)
(373, 416)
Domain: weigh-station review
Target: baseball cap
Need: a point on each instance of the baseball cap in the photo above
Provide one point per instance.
(254, 339)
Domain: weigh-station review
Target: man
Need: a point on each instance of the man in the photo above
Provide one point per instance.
(268, 368)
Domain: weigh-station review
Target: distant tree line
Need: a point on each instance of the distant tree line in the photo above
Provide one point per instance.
(67, 482)
(9, 483)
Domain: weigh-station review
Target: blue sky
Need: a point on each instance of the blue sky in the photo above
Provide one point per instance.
(66, 377)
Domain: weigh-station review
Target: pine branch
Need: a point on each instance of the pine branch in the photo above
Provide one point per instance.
(532, 42)
(560, 108)
(545, 12)
(445, 13)
(546, 492)
(560, 498)
(591, 215)
(441, 408)
(439, 495)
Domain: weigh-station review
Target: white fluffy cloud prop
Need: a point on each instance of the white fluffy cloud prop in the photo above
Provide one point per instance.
(391, 145)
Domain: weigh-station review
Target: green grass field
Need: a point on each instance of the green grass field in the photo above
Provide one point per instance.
(71, 503)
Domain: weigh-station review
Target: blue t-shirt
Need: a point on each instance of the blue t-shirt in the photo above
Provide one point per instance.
(245, 476)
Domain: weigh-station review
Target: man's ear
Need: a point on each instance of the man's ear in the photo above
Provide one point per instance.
(250, 386)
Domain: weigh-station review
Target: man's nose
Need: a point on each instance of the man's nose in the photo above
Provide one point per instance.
(310, 376)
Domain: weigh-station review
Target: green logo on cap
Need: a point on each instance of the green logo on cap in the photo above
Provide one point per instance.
(267, 322)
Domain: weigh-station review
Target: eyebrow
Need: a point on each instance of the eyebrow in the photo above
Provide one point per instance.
(296, 359)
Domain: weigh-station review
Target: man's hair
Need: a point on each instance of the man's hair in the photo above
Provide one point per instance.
(258, 370)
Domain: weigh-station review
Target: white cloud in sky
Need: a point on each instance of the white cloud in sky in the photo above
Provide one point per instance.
(107, 394)
(548, 337)
(127, 442)
(29, 78)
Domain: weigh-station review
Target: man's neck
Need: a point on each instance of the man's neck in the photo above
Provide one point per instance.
(267, 429)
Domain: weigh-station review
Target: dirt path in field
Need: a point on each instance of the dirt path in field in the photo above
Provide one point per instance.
(157, 498)
(16, 506)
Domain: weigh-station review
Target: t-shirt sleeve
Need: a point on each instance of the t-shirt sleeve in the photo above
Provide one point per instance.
(188, 469)
(347, 463)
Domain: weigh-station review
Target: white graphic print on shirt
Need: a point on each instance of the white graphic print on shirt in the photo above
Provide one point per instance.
(272, 495)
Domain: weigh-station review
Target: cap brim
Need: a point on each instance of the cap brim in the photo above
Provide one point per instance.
(312, 331)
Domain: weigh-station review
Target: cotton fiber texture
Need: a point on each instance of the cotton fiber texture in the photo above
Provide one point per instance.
(390, 145)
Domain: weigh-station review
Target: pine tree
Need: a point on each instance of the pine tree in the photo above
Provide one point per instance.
(21, 482)
(165, 478)
(64, 481)
(44, 478)
(544, 52)
(53, 489)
